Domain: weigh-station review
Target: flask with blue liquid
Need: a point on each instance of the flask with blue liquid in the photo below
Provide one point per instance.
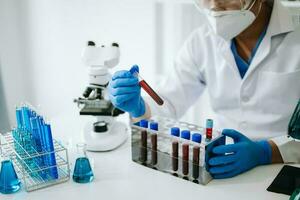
(9, 181)
(83, 172)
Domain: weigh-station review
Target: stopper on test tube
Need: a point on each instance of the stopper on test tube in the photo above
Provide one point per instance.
(186, 134)
(134, 69)
(197, 137)
(209, 123)
(144, 123)
(154, 126)
(175, 131)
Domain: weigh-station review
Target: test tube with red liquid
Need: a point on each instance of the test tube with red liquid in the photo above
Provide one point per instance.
(154, 128)
(147, 88)
(196, 138)
(175, 132)
(185, 134)
(143, 148)
(209, 128)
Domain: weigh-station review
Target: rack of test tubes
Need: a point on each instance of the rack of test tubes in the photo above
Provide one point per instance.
(38, 159)
(177, 148)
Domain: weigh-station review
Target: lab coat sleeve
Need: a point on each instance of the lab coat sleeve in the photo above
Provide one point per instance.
(184, 84)
(289, 148)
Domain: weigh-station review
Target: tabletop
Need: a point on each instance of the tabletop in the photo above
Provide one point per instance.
(118, 177)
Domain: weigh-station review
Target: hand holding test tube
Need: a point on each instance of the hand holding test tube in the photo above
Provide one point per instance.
(125, 92)
(135, 71)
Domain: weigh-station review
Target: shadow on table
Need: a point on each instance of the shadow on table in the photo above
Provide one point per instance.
(256, 175)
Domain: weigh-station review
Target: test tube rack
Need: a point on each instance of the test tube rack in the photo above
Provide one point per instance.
(32, 175)
(164, 160)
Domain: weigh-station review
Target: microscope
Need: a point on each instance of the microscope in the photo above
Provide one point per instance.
(105, 132)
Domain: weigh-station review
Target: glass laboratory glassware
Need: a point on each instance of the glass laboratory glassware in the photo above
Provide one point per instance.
(83, 172)
(9, 181)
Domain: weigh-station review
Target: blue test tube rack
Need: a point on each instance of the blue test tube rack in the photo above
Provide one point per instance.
(180, 163)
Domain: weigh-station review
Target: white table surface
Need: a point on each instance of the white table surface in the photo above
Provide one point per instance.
(117, 177)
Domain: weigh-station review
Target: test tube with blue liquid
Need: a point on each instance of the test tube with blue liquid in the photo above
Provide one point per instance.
(83, 172)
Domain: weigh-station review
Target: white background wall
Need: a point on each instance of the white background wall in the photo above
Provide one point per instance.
(41, 42)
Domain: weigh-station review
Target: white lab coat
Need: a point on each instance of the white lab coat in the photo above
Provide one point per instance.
(261, 104)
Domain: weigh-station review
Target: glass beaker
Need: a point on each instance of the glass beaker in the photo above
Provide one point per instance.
(83, 172)
(9, 181)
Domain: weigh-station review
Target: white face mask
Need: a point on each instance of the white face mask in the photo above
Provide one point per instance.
(229, 24)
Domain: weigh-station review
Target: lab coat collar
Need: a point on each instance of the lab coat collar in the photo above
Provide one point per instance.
(280, 21)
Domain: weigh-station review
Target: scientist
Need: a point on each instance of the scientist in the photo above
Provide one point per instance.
(247, 56)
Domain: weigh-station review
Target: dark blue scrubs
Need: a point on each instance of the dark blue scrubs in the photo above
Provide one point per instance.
(242, 64)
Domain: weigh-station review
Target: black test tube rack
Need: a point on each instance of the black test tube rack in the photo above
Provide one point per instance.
(160, 156)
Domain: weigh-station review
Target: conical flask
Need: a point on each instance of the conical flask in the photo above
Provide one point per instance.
(82, 171)
(9, 181)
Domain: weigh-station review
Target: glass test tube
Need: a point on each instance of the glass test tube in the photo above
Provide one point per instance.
(19, 118)
(196, 137)
(154, 127)
(185, 134)
(209, 128)
(175, 132)
(147, 88)
(143, 148)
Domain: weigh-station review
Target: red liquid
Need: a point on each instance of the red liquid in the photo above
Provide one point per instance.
(208, 133)
(151, 92)
(185, 159)
(143, 153)
(196, 151)
(154, 149)
(175, 155)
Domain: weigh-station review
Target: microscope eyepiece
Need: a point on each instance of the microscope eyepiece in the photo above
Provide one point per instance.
(91, 43)
(115, 44)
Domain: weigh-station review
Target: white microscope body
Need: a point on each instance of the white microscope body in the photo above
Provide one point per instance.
(105, 133)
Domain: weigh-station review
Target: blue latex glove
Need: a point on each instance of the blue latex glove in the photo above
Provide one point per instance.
(243, 155)
(125, 92)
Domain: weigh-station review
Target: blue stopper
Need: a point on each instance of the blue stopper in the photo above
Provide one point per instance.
(175, 131)
(209, 123)
(196, 137)
(186, 134)
(144, 123)
(134, 69)
(154, 126)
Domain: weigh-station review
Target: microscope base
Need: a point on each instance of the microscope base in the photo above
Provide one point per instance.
(105, 141)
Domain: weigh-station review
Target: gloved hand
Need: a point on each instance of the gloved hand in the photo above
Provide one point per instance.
(243, 155)
(125, 92)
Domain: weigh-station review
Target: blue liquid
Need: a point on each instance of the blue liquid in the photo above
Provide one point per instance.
(9, 182)
(83, 172)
